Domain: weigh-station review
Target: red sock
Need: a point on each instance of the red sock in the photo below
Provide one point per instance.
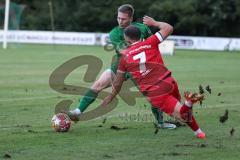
(185, 114)
(193, 124)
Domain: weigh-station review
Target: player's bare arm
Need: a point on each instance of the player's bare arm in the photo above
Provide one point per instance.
(165, 28)
(116, 87)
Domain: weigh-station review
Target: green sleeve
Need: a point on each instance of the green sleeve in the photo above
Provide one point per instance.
(116, 41)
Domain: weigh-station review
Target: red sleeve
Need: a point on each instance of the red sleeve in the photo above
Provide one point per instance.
(122, 64)
(155, 39)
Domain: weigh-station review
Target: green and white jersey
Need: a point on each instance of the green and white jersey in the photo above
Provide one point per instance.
(117, 39)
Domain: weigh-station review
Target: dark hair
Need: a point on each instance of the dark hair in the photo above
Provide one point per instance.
(132, 32)
(127, 8)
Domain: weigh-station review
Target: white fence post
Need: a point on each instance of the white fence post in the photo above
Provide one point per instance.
(7, 4)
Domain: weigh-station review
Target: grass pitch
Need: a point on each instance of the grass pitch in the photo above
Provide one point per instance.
(27, 105)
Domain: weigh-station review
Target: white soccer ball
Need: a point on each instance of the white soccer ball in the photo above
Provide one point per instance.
(61, 122)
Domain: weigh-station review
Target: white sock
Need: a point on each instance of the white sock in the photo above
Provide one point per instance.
(198, 131)
(76, 111)
(188, 104)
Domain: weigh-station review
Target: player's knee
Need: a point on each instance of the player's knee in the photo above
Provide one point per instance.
(98, 86)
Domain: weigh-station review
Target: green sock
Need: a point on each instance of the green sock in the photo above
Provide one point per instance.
(158, 115)
(88, 98)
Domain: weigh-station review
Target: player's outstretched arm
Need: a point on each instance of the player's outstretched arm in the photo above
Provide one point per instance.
(165, 28)
(116, 87)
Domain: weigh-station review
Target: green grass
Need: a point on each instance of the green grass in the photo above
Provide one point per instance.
(27, 105)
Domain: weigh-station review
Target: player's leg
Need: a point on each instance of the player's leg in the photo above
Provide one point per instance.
(183, 112)
(171, 105)
(103, 82)
(158, 114)
(192, 123)
(190, 100)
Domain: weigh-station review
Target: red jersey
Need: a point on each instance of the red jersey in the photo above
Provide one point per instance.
(144, 62)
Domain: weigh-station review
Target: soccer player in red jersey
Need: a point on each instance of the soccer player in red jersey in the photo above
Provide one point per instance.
(142, 59)
(125, 18)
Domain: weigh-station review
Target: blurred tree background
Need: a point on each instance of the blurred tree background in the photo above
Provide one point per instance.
(189, 17)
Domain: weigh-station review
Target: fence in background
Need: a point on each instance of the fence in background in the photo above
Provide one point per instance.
(82, 38)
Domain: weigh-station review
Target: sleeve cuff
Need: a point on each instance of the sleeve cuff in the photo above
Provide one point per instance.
(159, 36)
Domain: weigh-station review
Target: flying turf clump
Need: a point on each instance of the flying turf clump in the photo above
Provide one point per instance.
(224, 118)
(208, 89)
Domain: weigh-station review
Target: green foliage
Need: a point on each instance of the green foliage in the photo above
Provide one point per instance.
(15, 12)
(189, 17)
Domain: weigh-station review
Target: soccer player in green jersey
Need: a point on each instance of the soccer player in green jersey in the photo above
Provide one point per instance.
(124, 18)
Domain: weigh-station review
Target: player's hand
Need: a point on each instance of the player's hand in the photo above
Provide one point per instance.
(149, 21)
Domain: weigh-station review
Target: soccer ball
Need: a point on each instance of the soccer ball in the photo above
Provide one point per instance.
(61, 122)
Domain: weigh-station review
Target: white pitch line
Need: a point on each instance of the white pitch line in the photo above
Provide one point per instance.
(122, 114)
(213, 87)
(221, 105)
(180, 87)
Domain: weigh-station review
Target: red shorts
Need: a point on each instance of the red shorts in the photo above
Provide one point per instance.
(166, 97)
